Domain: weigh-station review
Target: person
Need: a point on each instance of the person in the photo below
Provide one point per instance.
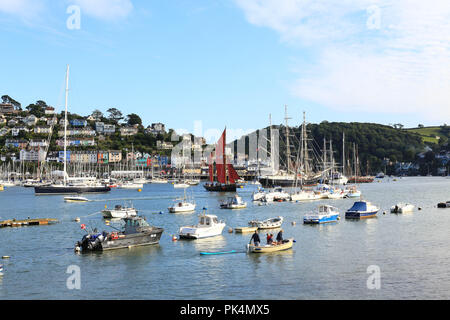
(255, 238)
(270, 238)
(280, 237)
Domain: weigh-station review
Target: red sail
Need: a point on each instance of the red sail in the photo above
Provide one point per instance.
(220, 158)
(232, 174)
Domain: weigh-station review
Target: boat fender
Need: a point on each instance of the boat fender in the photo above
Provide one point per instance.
(419, 208)
(230, 230)
(160, 212)
(174, 238)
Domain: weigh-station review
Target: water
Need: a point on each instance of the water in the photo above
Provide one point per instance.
(326, 262)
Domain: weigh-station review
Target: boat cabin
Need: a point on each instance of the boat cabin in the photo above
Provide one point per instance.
(208, 220)
(135, 225)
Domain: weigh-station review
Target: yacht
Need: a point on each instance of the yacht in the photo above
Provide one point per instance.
(182, 205)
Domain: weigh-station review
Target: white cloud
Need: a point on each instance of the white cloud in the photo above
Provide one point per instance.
(23, 8)
(105, 9)
(400, 67)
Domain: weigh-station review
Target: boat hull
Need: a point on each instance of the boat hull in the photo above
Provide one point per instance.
(220, 187)
(287, 244)
(49, 190)
(270, 183)
(320, 219)
(360, 215)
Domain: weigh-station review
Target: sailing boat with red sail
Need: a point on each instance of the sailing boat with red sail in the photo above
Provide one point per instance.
(225, 174)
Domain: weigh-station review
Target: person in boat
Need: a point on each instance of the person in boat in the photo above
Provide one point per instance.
(255, 238)
(269, 238)
(280, 237)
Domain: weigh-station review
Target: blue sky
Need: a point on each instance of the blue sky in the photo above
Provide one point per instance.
(232, 62)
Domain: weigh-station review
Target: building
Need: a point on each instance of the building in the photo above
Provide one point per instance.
(103, 157)
(49, 110)
(128, 131)
(32, 155)
(30, 120)
(77, 132)
(38, 143)
(7, 108)
(42, 130)
(21, 144)
(115, 156)
(16, 130)
(83, 157)
(4, 131)
(52, 121)
(164, 145)
(78, 123)
(77, 142)
(103, 128)
(156, 128)
(61, 156)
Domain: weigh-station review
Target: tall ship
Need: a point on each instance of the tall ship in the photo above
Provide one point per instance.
(298, 173)
(222, 175)
(70, 185)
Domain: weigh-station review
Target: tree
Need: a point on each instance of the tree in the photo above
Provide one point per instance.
(97, 114)
(38, 108)
(8, 99)
(114, 114)
(133, 119)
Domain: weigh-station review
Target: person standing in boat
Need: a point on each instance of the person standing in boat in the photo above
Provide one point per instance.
(255, 238)
(280, 236)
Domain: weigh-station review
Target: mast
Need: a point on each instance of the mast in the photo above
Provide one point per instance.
(343, 153)
(65, 126)
(288, 149)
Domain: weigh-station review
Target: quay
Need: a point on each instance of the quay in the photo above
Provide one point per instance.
(27, 222)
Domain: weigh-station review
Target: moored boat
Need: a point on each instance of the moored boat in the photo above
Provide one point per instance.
(75, 199)
(136, 232)
(208, 226)
(402, 208)
(324, 214)
(270, 223)
(235, 202)
(361, 209)
(119, 211)
(245, 229)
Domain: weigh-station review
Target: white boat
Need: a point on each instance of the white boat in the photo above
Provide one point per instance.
(7, 183)
(193, 182)
(131, 185)
(1, 270)
(337, 193)
(259, 195)
(182, 205)
(402, 208)
(353, 193)
(159, 180)
(75, 199)
(208, 226)
(277, 194)
(181, 184)
(304, 195)
(119, 212)
(267, 224)
(324, 214)
(235, 202)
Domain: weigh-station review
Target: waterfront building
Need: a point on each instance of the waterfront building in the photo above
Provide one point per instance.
(85, 142)
(32, 155)
(103, 157)
(114, 156)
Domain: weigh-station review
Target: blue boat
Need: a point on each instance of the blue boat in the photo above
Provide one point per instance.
(361, 210)
(324, 214)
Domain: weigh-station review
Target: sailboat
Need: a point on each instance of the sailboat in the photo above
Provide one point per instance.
(78, 185)
(226, 175)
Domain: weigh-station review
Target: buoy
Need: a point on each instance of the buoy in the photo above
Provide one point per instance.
(230, 230)
(160, 212)
(384, 212)
(293, 223)
(419, 208)
(139, 190)
(107, 222)
(174, 238)
(77, 219)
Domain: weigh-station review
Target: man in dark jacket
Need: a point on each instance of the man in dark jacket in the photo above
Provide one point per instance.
(255, 238)
(280, 236)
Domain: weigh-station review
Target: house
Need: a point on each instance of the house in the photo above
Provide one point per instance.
(51, 122)
(77, 132)
(16, 130)
(61, 156)
(3, 120)
(38, 143)
(4, 131)
(76, 142)
(42, 130)
(156, 128)
(103, 128)
(102, 157)
(49, 110)
(32, 155)
(115, 156)
(21, 144)
(12, 122)
(128, 131)
(30, 120)
(7, 108)
(78, 123)
(164, 145)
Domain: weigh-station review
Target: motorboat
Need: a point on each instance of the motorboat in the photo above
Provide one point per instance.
(131, 185)
(159, 180)
(119, 211)
(136, 231)
(1, 270)
(361, 209)
(277, 195)
(353, 193)
(304, 195)
(444, 204)
(324, 214)
(182, 206)
(259, 195)
(270, 223)
(193, 182)
(245, 229)
(402, 208)
(284, 245)
(208, 226)
(235, 202)
(75, 199)
(181, 184)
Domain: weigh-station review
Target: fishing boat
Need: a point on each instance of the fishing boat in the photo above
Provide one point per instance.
(208, 226)
(135, 232)
(324, 214)
(270, 223)
(75, 199)
(183, 205)
(222, 175)
(119, 211)
(402, 208)
(361, 209)
(235, 202)
(284, 245)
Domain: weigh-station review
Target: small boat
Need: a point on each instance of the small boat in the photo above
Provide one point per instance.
(131, 185)
(1, 270)
(353, 193)
(267, 224)
(75, 199)
(208, 226)
(361, 209)
(2, 188)
(119, 212)
(304, 195)
(235, 202)
(159, 180)
(182, 206)
(181, 184)
(402, 208)
(324, 214)
(193, 182)
(259, 195)
(444, 204)
(245, 229)
(285, 245)
(277, 195)
(136, 232)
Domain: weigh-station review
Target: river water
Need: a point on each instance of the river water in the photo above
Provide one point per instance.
(333, 261)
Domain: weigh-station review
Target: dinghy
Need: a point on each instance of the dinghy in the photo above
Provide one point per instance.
(285, 245)
(402, 208)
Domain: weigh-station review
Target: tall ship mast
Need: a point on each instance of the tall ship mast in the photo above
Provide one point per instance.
(78, 185)
(222, 175)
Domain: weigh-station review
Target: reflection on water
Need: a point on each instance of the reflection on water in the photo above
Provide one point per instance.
(328, 261)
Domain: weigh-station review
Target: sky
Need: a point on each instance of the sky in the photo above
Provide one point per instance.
(202, 65)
